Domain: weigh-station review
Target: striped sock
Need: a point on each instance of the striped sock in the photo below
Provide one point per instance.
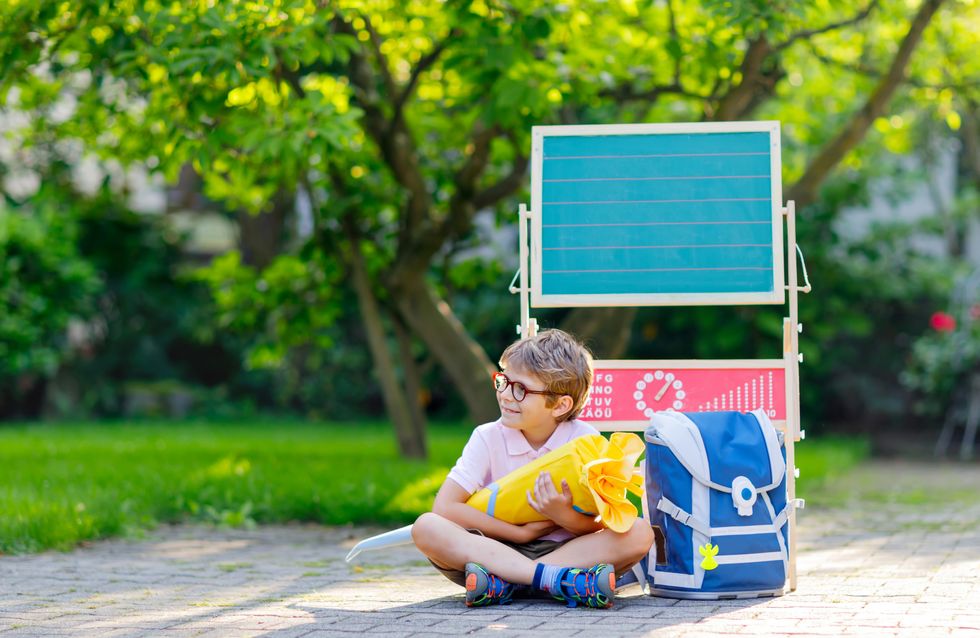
(547, 577)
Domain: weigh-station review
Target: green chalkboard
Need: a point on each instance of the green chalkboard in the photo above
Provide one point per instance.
(647, 214)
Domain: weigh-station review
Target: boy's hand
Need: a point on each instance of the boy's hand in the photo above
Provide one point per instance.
(547, 501)
(532, 531)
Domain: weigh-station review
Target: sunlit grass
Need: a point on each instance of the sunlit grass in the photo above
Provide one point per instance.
(61, 484)
(827, 458)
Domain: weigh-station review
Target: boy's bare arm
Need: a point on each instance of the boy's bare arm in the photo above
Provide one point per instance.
(450, 503)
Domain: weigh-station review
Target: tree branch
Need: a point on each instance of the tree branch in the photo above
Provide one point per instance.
(466, 202)
(461, 208)
(625, 93)
(871, 72)
(809, 33)
(389, 82)
(415, 254)
(472, 168)
(423, 65)
(393, 138)
(672, 29)
(292, 79)
(804, 191)
(504, 187)
(756, 83)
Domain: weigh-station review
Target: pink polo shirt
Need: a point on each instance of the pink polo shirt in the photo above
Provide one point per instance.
(494, 451)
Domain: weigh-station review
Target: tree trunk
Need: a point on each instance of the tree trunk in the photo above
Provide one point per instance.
(606, 331)
(23, 397)
(413, 387)
(970, 135)
(261, 236)
(411, 441)
(468, 366)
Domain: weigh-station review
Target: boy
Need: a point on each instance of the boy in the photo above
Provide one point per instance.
(543, 386)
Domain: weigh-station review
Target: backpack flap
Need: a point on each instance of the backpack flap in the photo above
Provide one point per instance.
(722, 449)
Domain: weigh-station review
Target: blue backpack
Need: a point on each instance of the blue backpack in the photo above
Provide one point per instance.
(716, 489)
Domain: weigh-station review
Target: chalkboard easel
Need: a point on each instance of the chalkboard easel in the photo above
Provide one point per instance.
(672, 215)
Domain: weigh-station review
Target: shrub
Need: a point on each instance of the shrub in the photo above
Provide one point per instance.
(44, 283)
(943, 359)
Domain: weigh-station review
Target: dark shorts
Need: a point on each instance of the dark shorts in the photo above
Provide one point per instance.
(533, 550)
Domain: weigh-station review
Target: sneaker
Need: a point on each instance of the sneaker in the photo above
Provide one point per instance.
(484, 588)
(592, 587)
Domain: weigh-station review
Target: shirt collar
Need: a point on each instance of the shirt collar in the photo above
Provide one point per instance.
(518, 445)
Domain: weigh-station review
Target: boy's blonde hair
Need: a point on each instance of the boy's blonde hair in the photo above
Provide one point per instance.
(560, 361)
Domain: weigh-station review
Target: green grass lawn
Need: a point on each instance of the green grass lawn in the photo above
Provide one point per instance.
(61, 484)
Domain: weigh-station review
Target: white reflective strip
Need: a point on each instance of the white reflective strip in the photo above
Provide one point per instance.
(701, 501)
(781, 518)
(777, 466)
(683, 438)
(740, 531)
(777, 528)
(641, 577)
(702, 470)
(676, 580)
(739, 559)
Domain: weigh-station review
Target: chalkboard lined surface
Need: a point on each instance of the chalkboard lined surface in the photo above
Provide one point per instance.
(659, 214)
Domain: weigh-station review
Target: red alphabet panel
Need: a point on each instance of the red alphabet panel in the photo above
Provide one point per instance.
(634, 394)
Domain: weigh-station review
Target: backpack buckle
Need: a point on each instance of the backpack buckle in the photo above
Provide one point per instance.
(743, 495)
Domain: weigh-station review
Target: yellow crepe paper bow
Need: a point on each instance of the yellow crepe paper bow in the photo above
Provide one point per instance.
(599, 473)
(610, 477)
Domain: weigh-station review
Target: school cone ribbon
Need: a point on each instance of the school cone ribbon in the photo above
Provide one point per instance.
(599, 472)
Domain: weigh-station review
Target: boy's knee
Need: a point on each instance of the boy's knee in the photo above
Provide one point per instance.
(424, 529)
(639, 538)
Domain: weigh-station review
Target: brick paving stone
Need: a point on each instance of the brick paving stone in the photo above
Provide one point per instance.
(337, 633)
(299, 631)
(965, 622)
(493, 632)
(869, 565)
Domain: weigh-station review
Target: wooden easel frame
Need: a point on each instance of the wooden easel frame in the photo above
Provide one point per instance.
(791, 360)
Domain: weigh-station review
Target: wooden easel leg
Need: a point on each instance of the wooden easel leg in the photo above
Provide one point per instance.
(791, 356)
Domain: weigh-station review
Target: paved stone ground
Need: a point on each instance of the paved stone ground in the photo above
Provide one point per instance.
(875, 560)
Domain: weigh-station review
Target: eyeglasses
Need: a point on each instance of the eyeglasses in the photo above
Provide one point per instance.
(517, 389)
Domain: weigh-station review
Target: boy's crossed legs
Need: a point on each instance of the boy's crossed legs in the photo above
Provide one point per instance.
(451, 547)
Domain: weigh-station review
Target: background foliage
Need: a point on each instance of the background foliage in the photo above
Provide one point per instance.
(370, 156)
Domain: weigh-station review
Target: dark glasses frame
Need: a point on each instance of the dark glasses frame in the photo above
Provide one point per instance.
(514, 385)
